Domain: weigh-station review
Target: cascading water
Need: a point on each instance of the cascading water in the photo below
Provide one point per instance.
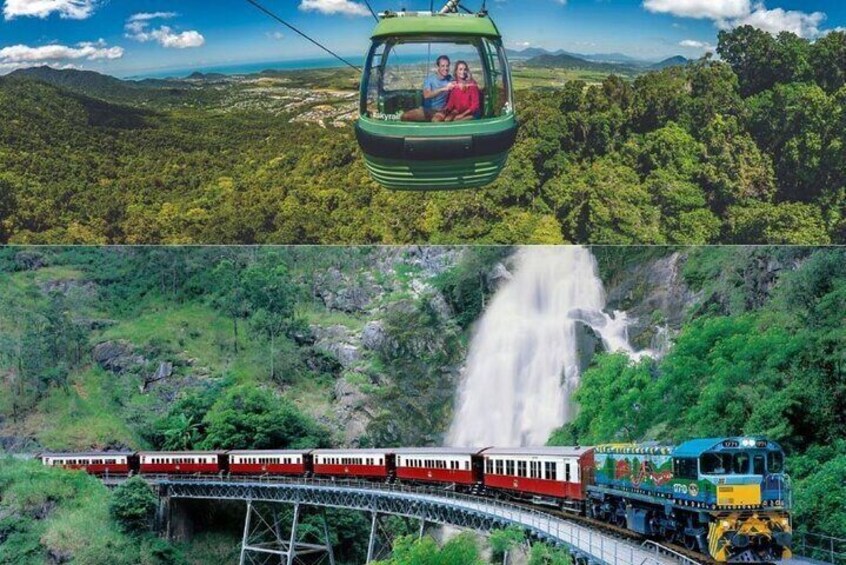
(524, 360)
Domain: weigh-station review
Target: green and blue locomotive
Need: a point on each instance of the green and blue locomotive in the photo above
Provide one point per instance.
(726, 497)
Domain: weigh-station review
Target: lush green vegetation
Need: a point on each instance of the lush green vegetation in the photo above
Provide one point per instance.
(134, 505)
(464, 550)
(237, 328)
(50, 515)
(748, 149)
(236, 324)
(756, 357)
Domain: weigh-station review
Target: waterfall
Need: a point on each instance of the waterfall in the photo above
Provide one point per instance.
(523, 362)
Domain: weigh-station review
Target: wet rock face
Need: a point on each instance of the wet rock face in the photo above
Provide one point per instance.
(655, 296)
(498, 276)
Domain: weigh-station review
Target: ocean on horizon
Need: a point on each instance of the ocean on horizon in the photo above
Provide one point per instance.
(254, 68)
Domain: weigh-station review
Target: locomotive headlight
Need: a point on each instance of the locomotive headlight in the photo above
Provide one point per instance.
(747, 443)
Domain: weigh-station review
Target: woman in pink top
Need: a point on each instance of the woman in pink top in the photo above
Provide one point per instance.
(464, 99)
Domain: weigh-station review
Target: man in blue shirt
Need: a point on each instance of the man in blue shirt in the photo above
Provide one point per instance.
(436, 89)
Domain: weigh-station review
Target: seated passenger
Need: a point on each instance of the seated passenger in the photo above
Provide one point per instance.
(436, 89)
(464, 99)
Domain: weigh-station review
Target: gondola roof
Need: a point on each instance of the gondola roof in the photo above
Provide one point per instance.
(425, 23)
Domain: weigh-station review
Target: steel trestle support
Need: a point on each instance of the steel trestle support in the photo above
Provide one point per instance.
(263, 540)
(428, 505)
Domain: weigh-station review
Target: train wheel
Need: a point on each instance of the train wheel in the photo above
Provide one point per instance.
(690, 543)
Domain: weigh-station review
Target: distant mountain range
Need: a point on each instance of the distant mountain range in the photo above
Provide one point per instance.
(105, 87)
(619, 58)
(605, 62)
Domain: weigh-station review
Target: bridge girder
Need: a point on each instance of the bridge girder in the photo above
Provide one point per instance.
(433, 506)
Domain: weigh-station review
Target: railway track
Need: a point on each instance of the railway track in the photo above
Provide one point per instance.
(668, 549)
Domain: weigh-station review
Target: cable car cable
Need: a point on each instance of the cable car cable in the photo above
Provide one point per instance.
(286, 24)
(367, 3)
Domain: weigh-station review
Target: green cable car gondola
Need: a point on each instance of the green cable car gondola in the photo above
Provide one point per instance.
(426, 155)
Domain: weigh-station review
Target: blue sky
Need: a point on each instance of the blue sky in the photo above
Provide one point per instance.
(127, 37)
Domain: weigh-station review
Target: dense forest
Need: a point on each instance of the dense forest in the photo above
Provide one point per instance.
(748, 148)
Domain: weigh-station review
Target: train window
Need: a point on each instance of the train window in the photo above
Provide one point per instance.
(567, 472)
(521, 469)
(758, 464)
(685, 468)
(488, 466)
(715, 463)
(509, 468)
(549, 471)
(740, 463)
(499, 467)
(775, 462)
(466, 465)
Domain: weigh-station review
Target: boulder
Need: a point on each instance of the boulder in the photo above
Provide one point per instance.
(373, 335)
(117, 356)
(498, 275)
(85, 289)
(338, 342)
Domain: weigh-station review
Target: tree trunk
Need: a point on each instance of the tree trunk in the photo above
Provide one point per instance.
(235, 331)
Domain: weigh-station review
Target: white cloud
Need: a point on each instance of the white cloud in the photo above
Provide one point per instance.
(146, 16)
(728, 14)
(277, 35)
(138, 28)
(778, 20)
(700, 9)
(59, 56)
(345, 7)
(694, 44)
(69, 9)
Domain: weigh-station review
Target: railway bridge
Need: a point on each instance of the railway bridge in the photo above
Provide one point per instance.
(427, 505)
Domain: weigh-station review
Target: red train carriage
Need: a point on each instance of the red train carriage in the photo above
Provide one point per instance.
(269, 461)
(98, 463)
(461, 466)
(358, 463)
(556, 473)
(181, 462)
